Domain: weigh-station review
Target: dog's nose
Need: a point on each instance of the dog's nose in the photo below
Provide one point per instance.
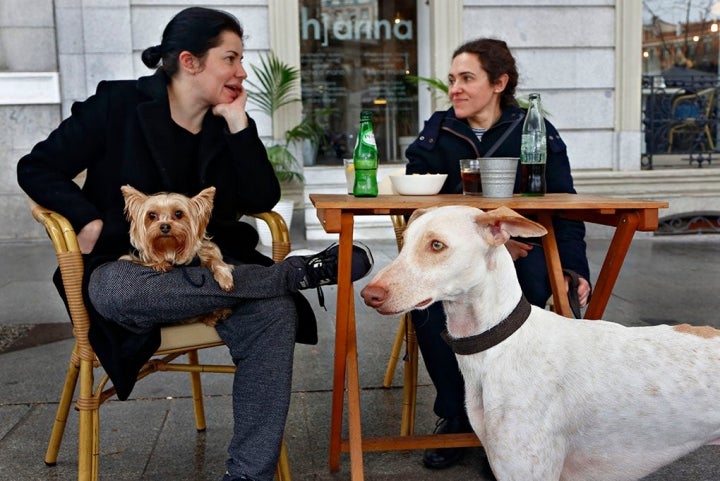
(165, 228)
(374, 296)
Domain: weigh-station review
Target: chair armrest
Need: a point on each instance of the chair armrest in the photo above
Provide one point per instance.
(70, 262)
(279, 232)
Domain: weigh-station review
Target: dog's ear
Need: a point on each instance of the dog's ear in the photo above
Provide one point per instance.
(502, 223)
(133, 199)
(418, 212)
(203, 203)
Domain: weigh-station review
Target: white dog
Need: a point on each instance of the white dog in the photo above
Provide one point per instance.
(552, 398)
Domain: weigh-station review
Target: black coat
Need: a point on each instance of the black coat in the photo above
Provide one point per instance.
(121, 135)
(445, 139)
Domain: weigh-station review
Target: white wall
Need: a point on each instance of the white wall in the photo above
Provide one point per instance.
(566, 51)
(577, 53)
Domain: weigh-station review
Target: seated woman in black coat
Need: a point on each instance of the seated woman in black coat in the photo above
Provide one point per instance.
(183, 129)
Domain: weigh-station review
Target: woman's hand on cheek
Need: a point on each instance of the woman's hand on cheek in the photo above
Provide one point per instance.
(234, 112)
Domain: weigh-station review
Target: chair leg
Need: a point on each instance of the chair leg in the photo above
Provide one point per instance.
(88, 437)
(395, 353)
(711, 142)
(96, 444)
(407, 424)
(670, 141)
(61, 415)
(197, 394)
(282, 472)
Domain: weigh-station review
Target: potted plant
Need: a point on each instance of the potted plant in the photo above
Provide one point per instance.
(277, 86)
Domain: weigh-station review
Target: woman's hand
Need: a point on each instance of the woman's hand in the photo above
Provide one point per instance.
(518, 249)
(234, 112)
(583, 289)
(88, 235)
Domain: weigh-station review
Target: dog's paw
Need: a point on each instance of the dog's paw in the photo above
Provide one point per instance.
(214, 317)
(163, 266)
(223, 276)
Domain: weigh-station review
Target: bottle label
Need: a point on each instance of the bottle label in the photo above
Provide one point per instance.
(533, 149)
(369, 138)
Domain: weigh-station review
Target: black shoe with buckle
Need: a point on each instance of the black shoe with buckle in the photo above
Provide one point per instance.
(441, 458)
(321, 269)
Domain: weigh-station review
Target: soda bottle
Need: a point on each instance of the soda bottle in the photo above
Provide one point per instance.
(533, 150)
(365, 159)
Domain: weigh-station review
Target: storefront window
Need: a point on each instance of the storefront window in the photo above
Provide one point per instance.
(681, 38)
(680, 79)
(357, 55)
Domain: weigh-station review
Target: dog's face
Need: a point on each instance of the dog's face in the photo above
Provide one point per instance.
(167, 227)
(447, 251)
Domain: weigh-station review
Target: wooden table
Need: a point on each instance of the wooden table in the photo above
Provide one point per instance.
(337, 212)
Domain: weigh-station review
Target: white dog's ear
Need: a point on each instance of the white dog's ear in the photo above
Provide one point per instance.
(502, 223)
(417, 213)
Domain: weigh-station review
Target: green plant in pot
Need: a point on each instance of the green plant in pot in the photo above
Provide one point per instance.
(276, 86)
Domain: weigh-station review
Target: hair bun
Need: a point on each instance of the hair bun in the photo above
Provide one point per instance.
(151, 56)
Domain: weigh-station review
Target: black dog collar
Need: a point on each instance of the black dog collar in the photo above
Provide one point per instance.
(493, 336)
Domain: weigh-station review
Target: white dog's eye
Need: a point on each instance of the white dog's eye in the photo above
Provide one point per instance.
(179, 214)
(152, 215)
(437, 245)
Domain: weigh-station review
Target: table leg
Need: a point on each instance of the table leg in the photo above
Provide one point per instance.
(619, 246)
(554, 267)
(353, 394)
(345, 341)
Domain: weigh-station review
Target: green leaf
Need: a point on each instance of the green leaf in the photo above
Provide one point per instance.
(284, 163)
(275, 87)
(433, 83)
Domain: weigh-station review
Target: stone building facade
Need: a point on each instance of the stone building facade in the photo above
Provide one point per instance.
(54, 52)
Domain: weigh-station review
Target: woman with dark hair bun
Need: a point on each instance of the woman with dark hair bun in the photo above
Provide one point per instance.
(486, 121)
(184, 129)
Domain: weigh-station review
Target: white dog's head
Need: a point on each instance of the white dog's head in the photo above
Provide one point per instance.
(448, 252)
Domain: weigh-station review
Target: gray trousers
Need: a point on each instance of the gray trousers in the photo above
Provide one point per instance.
(260, 335)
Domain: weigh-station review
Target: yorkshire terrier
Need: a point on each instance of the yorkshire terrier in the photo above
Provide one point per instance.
(168, 229)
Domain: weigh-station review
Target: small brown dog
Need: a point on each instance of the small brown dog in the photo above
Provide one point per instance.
(168, 229)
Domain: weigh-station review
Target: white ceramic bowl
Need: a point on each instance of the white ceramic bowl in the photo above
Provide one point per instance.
(418, 184)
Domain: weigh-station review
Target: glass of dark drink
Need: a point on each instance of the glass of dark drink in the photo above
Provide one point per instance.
(470, 174)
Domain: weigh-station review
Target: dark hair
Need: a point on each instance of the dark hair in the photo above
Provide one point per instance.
(495, 58)
(195, 29)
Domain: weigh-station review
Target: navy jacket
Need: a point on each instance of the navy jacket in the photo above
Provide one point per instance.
(445, 139)
(121, 135)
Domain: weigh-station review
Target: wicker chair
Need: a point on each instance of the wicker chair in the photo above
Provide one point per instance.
(405, 335)
(177, 340)
(693, 117)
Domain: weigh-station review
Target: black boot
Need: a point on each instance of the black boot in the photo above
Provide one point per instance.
(441, 458)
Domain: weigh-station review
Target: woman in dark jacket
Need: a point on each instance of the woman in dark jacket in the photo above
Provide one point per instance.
(181, 130)
(482, 82)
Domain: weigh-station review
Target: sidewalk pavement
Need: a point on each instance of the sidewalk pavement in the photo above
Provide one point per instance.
(152, 435)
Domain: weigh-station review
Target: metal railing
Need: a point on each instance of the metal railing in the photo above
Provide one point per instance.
(680, 116)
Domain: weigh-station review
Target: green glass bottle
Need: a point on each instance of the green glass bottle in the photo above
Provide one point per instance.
(533, 150)
(365, 158)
